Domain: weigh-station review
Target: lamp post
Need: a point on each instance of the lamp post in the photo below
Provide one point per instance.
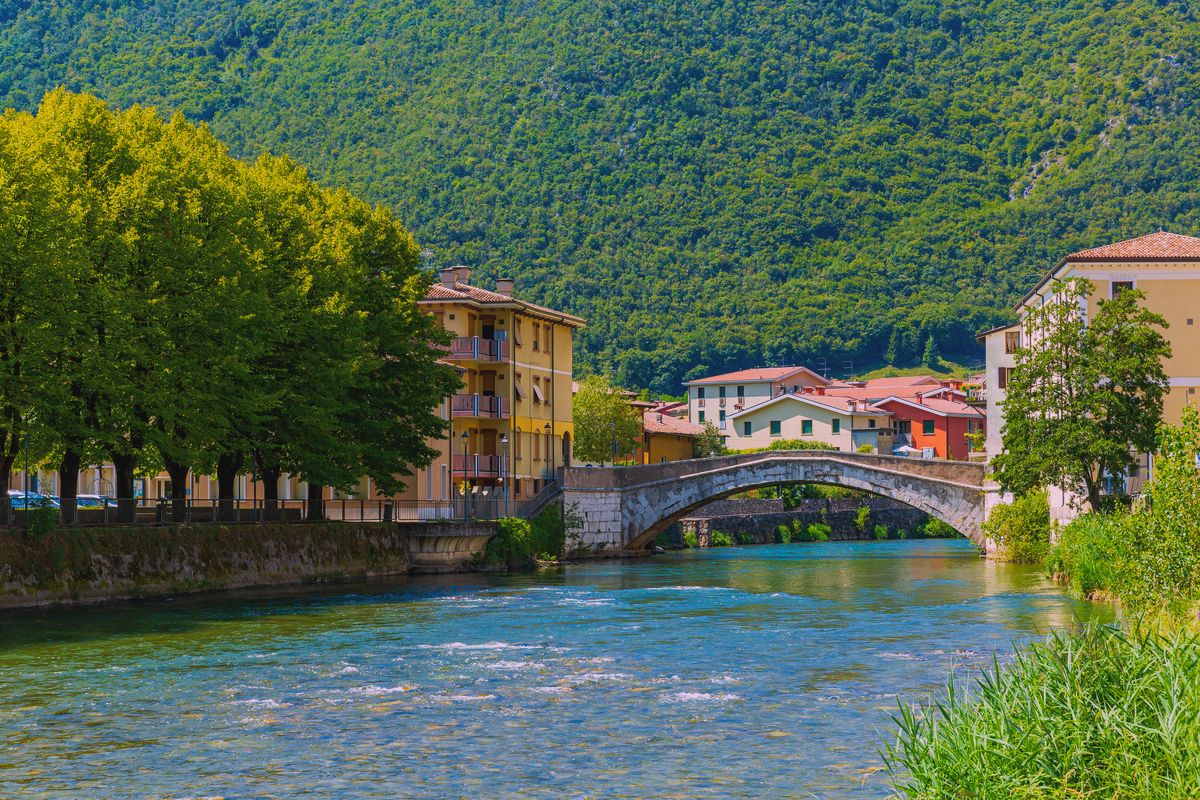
(504, 470)
(466, 440)
(550, 446)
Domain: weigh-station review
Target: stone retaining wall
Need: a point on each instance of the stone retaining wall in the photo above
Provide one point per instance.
(93, 564)
(760, 518)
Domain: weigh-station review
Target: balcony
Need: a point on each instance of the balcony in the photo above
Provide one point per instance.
(477, 466)
(478, 406)
(476, 348)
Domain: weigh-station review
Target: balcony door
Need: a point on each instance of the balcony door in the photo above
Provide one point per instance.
(487, 327)
(487, 383)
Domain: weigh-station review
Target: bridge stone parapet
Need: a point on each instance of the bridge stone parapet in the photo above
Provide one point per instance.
(626, 507)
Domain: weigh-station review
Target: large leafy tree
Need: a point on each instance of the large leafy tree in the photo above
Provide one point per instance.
(605, 423)
(1086, 395)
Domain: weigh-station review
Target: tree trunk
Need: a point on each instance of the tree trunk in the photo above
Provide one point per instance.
(270, 474)
(68, 485)
(316, 502)
(6, 465)
(124, 464)
(228, 467)
(179, 481)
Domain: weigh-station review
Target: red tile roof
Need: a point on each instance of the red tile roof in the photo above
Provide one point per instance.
(1152, 246)
(755, 374)
(944, 408)
(655, 422)
(441, 293)
(832, 402)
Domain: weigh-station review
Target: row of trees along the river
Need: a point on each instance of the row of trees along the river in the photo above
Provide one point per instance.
(165, 305)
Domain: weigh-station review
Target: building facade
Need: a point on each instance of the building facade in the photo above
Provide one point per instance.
(843, 423)
(716, 398)
(1166, 268)
(933, 427)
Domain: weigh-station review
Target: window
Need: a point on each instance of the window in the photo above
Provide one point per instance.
(747, 428)
(549, 339)
(517, 385)
(537, 336)
(517, 444)
(538, 397)
(517, 333)
(741, 393)
(721, 392)
(1012, 342)
(837, 426)
(776, 427)
(806, 427)
(517, 488)
(1116, 287)
(870, 423)
(927, 427)
(1002, 376)
(722, 415)
(700, 393)
(701, 417)
(537, 446)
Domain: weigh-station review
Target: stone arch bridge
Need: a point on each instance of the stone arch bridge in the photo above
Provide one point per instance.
(625, 508)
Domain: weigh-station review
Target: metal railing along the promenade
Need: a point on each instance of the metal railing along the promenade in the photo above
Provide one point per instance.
(473, 505)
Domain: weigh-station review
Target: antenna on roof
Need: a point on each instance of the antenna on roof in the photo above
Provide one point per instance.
(824, 366)
(849, 365)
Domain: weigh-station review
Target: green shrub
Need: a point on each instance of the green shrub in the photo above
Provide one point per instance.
(783, 534)
(819, 532)
(861, 518)
(903, 533)
(866, 448)
(1101, 713)
(690, 539)
(1093, 554)
(1021, 529)
(744, 538)
(719, 539)
(934, 528)
(789, 444)
(42, 518)
(881, 532)
(520, 542)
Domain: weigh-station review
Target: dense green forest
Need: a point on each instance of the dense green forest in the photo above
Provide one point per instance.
(711, 183)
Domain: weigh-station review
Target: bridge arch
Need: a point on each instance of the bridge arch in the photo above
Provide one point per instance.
(626, 507)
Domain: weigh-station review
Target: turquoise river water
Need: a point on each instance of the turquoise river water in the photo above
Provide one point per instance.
(754, 672)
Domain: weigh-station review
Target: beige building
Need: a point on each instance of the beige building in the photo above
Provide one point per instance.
(716, 398)
(843, 422)
(1164, 266)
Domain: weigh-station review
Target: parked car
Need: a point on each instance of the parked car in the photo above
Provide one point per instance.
(21, 500)
(94, 501)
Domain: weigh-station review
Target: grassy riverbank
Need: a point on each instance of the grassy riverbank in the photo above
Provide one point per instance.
(1106, 711)
(1102, 713)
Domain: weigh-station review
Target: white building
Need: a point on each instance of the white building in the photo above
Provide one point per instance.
(716, 398)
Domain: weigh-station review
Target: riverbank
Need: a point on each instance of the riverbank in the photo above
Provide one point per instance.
(88, 565)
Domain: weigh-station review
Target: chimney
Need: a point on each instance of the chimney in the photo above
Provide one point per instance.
(920, 398)
(504, 286)
(447, 277)
(853, 405)
(462, 273)
(660, 417)
(820, 391)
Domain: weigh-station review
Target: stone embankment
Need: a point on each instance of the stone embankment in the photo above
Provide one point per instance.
(760, 518)
(79, 565)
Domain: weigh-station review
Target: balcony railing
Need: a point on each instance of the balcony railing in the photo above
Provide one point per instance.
(479, 405)
(476, 348)
(478, 466)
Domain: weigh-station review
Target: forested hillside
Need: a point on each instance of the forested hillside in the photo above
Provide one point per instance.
(711, 183)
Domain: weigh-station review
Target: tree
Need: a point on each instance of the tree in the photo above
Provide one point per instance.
(605, 423)
(710, 442)
(1083, 398)
(931, 359)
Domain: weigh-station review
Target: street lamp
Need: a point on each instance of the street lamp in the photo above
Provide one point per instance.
(503, 470)
(466, 440)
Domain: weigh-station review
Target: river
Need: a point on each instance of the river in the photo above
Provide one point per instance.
(754, 672)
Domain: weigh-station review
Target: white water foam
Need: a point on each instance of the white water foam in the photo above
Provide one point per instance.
(483, 646)
(376, 691)
(699, 697)
(516, 665)
(260, 703)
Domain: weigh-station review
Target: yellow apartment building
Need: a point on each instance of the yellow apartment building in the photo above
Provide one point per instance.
(511, 423)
